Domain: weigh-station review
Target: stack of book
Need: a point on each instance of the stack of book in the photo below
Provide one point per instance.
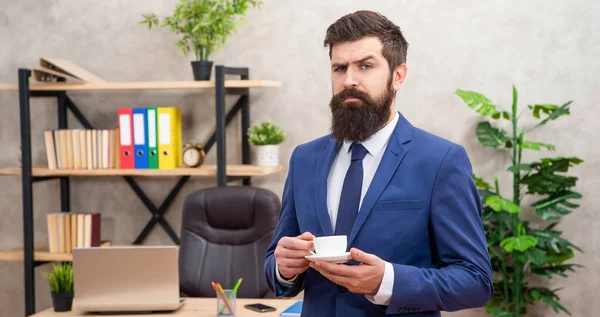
(82, 149)
(68, 230)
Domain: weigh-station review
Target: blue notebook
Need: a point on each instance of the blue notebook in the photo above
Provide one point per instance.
(293, 311)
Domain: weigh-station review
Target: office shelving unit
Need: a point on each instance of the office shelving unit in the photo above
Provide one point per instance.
(32, 255)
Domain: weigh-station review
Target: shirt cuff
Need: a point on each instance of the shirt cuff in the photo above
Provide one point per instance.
(384, 294)
(281, 280)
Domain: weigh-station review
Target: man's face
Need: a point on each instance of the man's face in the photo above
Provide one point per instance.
(362, 89)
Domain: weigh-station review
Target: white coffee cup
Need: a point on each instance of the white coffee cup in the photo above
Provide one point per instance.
(330, 245)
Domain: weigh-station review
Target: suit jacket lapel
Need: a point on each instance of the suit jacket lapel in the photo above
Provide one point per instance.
(393, 155)
(324, 161)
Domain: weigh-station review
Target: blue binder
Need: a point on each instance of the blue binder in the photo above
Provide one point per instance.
(292, 311)
(140, 138)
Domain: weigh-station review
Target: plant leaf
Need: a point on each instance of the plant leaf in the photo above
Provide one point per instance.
(537, 256)
(498, 312)
(552, 111)
(536, 146)
(548, 208)
(546, 108)
(490, 136)
(552, 243)
(520, 243)
(502, 204)
(519, 167)
(481, 104)
(481, 184)
(549, 297)
(61, 278)
(554, 269)
(545, 180)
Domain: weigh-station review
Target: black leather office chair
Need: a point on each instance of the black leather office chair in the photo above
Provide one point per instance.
(225, 234)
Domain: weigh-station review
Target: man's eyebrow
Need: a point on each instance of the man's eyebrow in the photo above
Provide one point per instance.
(362, 60)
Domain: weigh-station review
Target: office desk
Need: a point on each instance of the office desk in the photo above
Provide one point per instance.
(196, 307)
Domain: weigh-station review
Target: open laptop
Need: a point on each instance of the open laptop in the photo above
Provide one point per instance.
(128, 279)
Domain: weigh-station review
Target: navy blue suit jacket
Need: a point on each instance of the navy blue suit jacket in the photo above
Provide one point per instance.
(422, 213)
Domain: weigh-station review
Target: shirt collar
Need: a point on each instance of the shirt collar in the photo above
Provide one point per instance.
(375, 143)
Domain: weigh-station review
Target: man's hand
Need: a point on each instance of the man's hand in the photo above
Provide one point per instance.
(360, 279)
(290, 254)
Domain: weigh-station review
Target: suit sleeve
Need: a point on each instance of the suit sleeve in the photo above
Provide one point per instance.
(287, 226)
(462, 277)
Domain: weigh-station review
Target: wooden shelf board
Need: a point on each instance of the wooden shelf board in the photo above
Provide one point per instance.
(40, 253)
(6, 86)
(204, 170)
(35, 86)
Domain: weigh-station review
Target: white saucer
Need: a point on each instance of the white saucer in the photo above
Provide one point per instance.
(340, 258)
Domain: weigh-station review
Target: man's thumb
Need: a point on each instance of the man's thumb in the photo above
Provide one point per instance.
(360, 256)
(306, 236)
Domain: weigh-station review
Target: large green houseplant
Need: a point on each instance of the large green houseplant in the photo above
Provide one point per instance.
(204, 26)
(519, 249)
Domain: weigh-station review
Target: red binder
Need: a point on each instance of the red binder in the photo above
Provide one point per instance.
(126, 138)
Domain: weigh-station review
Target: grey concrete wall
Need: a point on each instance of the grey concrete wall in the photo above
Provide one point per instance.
(548, 49)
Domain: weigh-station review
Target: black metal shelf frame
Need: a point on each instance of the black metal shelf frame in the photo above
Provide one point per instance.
(64, 102)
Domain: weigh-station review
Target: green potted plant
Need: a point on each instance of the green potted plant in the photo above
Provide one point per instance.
(520, 249)
(265, 138)
(61, 284)
(204, 26)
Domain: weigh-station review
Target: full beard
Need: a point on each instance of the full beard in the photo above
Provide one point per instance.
(356, 121)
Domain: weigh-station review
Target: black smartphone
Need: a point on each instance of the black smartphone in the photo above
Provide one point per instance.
(261, 308)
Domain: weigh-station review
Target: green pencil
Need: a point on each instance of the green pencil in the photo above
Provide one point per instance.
(237, 285)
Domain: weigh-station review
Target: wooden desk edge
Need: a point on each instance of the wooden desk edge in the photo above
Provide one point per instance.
(198, 307)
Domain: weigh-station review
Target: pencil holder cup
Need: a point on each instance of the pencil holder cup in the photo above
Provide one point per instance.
(226, 303)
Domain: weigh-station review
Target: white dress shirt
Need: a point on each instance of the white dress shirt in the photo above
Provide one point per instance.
(375, 145)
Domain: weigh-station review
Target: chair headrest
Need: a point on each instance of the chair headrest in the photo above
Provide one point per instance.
(231, 215)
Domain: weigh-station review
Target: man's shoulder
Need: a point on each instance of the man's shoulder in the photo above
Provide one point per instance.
(433, 150)
(314, 145)
(435, 143)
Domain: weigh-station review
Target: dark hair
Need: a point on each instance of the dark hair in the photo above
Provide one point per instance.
(355, 26)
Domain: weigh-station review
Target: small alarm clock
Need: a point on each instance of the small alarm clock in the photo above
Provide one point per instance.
(193, 155)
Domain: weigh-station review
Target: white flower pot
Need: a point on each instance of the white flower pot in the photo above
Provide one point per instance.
(266, 155)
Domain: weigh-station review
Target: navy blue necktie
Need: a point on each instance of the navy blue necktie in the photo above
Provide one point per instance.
(351, 190)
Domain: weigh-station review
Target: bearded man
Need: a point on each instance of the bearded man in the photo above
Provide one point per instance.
(404, 198)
